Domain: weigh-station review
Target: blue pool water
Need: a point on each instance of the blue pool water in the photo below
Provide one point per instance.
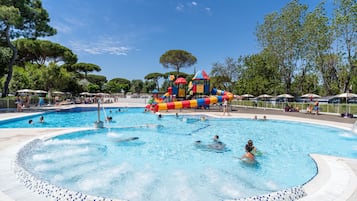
(165, 164)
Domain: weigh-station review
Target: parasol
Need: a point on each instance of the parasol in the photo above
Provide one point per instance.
(25, 91)
(265, 96)
(347, 96)
(310, 95)
(285, 96)
(180, 80)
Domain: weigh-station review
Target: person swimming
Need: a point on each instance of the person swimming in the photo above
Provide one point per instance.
(126, 139)
(109, 119)
(216, 146)
(250, 151)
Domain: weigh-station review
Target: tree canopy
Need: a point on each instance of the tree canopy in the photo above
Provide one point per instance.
(177, 59)
(155, 77)
(117, 85)
(42, 51)
(21, 18)
(83, 67)
(308, 46)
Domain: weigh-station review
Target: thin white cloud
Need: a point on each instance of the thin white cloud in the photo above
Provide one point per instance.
(180, 7)
(195, 6)
(107, 46)
(208, 11)
(75, 21)
(68, 25)
(62, 28)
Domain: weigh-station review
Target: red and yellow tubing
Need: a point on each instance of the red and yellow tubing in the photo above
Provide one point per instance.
(222, 95)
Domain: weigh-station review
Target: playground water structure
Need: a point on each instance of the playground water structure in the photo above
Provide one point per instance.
(218, 96)
(205, 175)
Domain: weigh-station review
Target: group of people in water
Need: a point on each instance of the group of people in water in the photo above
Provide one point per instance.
(41, 120)
(217, 146)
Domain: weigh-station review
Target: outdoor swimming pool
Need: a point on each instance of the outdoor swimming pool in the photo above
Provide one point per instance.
(164, 164)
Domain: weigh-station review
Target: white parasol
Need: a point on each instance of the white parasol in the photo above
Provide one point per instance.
(310, 95)
(40, 92)
(285, 96)
(265, 96)
(347, 96)
(25, 91)
(247, 96)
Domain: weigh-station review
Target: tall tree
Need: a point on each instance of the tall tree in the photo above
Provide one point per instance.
(345, 24)
(226, 74)
(137, 86)
(281, 35)
(21, 18)
(259, 75)
(149, 86)
(58, 78)
(317, 39)
(154, 77)
(83, 67)
(177, 59)
(117, 85)
(5, 56)
(98, 80)
(42, 51)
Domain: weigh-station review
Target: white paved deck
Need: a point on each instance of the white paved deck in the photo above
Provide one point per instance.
(336, 179)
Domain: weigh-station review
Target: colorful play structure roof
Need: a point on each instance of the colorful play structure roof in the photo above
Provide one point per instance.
(201, 75)
(180, 80)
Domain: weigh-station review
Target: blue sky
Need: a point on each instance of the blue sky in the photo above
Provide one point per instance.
(127, 37)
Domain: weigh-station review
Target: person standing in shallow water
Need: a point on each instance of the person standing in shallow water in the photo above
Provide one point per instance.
(250, 151)
(42, 119)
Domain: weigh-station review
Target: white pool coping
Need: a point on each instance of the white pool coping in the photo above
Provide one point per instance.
(336, 179)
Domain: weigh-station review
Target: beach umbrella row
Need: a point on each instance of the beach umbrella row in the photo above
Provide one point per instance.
(31, 91)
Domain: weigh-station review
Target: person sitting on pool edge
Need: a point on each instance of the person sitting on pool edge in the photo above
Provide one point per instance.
(250, 151)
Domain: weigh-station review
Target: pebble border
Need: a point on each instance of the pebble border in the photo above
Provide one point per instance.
(61, 194)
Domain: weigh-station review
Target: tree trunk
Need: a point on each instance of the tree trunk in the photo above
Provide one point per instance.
(11, 63)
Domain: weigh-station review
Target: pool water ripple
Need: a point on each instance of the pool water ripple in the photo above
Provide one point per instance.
(164, 164)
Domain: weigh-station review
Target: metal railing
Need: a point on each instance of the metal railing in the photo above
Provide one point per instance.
(8, 104)
(301, 106)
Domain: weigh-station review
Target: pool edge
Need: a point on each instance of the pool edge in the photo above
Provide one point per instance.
(311, 195)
